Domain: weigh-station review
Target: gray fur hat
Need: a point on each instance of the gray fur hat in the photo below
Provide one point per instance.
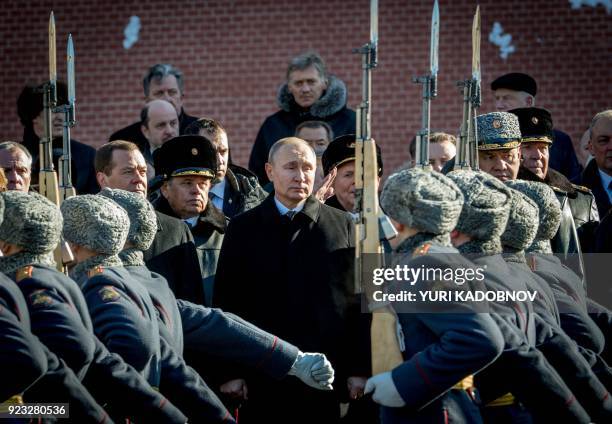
(548, 205)
(425, 200)
(485, 206)
(30, 221)
(95, 222)
(498, 130)
(522, 223)
(143, 221)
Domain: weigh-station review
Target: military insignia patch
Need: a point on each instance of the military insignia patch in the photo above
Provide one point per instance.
(95, 271)
(23, 273)
(40, 299)
(496, 123)
(421, 250)
(108, 294)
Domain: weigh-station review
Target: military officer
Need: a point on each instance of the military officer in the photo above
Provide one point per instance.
(123, 315)
(186, 166)
(59, 315)
(424, 207)
(340, 155)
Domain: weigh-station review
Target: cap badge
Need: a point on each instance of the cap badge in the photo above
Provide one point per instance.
(351, 145)
(534, 120)
(496, 124)
(194, 151)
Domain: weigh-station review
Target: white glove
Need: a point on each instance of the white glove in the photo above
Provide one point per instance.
(384, 391)
(313, 369)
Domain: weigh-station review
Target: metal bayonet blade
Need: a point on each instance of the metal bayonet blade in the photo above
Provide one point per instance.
(435, 36)
(71, 80)
(374, 23)
(52, 62)
(476, 45)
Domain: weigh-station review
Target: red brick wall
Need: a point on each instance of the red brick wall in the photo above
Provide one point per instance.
(234, 53)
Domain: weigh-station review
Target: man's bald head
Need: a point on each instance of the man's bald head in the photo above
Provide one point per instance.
(159, 122)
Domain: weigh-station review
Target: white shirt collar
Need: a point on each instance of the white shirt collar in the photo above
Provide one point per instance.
(282, 209)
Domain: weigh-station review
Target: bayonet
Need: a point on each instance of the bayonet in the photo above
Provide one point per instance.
(475, 100)
(66, 189)
(429, 83)
(369, 220)
(467, 145)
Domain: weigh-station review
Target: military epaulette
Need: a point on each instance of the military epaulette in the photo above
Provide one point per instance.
(581, 188)
(421, 250)
(23, 273)
(557, 189)
(95, 271)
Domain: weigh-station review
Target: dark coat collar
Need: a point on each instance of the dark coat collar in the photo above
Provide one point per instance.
(553, 178)
(335, 203)
(332, 101)
(211, 215)
(311, 210)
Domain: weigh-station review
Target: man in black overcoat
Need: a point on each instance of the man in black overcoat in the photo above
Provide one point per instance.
(287, 266)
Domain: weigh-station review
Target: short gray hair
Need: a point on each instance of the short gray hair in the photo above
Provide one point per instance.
(285, 142)
(159, 72)
(605, 114)
(12, 146)
(306, 60)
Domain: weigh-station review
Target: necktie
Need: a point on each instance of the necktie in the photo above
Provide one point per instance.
(290, 215)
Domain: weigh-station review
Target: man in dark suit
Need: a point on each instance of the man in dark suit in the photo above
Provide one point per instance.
(162, 81)
(120, 164)
(598, 173)
(286, 266)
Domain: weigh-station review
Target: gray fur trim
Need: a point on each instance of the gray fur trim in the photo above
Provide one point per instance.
(411, 243)
(31, 222)
(10, 264)
(522, 223)
(95, 222)
(548, 205)
(143, 221)
(79, 272)
(425, 200)
(332, 100)
(540, 246)
(486, 204)
(481, 247)
(132, 257)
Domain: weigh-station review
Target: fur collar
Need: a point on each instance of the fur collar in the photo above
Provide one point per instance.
(553, 178)
(132, 257)
(332, 100)
(10, 264)
(411, 243)
(79, 272)
(482, 247)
